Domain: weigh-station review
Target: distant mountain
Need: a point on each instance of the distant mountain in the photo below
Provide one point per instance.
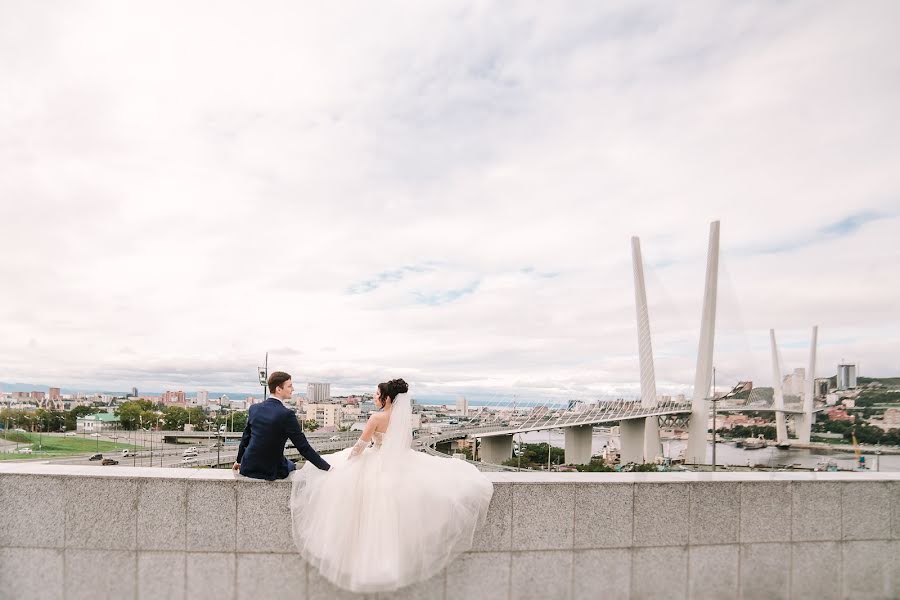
(32, 387)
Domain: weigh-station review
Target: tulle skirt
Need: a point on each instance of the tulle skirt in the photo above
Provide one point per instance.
(373, 525)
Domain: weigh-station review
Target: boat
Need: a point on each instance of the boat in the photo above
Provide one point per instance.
(755, 443)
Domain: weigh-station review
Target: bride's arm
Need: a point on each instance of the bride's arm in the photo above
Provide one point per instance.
(366, 438)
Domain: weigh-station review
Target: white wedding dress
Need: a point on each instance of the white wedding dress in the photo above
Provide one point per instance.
(388, 516)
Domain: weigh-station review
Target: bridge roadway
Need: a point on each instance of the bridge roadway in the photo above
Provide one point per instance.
(497, 438)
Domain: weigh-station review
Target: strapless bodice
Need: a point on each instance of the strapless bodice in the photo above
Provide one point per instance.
(378, 438)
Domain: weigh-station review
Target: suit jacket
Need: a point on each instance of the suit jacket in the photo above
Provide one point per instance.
(261, 452)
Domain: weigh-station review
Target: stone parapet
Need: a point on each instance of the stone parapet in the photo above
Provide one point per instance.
(125, 532)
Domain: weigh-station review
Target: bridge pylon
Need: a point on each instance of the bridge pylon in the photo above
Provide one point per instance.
(804, 422)
(781, 434)
(652, 447)
(696, 448)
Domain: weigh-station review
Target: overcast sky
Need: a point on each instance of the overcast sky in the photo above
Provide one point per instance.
(443, 191)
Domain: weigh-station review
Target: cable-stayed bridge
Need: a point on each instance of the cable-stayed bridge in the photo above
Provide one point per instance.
(639, 419)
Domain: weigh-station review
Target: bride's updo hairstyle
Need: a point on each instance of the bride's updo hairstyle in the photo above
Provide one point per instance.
(391, 388)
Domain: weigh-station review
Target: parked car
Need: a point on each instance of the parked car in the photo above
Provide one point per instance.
(96, 457)
(71, 434)
(24, 450)
(109, 461)
(334, 438)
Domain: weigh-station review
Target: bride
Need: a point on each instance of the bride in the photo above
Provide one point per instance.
(386, 516)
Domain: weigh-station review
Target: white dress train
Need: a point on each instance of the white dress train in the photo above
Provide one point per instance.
(389, 516)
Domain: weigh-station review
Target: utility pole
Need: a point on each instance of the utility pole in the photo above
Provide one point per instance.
(714, 398)
(549, 431)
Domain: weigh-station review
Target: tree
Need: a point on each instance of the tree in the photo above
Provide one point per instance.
(71, 417)
(310, 425)
(197, 418)
(239, 420)
(534, 456)
(174, 418)
(130, 411)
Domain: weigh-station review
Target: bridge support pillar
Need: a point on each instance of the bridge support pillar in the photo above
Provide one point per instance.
(652, 445)
(578, 444)
(496, 449)
(632, 436)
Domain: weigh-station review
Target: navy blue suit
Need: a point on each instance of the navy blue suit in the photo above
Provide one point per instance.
(261, 453)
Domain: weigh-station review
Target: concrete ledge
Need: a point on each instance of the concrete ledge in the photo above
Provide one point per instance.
(126, 532)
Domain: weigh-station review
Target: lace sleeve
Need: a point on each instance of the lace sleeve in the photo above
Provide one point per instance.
(359, 446)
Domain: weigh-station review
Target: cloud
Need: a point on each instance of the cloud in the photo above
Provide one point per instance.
(444, 191)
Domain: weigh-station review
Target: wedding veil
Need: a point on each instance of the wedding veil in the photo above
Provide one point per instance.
(398, 437)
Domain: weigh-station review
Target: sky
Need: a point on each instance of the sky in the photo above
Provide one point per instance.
(444, 191)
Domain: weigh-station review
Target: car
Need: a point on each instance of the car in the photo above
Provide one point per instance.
(334, 438)
(189, 459)
(109, 461)
(95, 435)
(126, 453)
(190, 453)
(96, 457)
(24, 450)
(71, 434)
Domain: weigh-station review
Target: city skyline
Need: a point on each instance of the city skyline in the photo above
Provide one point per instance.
(451, 203)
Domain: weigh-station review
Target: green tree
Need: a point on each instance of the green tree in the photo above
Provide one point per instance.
(197, 418)
(149, 418)
(238, 420)
(534, 456)
(174, 418)
(71, 417)
(310, 425)
(129, 412)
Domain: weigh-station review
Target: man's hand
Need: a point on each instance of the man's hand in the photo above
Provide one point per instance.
(236, 466)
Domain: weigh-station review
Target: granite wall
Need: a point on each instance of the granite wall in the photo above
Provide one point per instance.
(124, 532)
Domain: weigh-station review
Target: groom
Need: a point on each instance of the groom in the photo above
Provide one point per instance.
(269, 425)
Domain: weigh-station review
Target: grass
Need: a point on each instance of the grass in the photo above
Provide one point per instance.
(56, 446)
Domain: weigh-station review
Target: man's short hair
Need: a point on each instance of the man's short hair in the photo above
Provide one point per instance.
(277, 379)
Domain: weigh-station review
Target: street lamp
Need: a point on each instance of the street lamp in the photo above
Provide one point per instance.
(161, 443)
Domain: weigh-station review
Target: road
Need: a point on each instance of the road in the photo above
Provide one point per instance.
(154, 452)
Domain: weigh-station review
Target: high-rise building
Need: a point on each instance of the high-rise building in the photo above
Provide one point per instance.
(324, 414)
(134, 392)
(462, 406)
(318, 392)
(38, 395)
(173, 397)
(202, 397)
(54, 394)
(846, 376)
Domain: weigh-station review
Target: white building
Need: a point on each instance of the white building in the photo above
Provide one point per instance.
(202, 398)
(318, 392)
(846, 377)
(462, 406)
(97, 422)
(324, 414)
